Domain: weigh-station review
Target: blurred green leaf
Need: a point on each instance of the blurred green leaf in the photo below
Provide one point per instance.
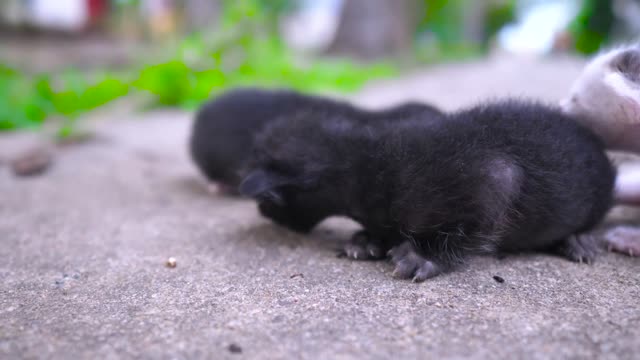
(592, 26)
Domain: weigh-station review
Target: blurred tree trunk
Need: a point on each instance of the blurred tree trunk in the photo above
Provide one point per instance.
(372, 29)
(201, 14)
(474, 21)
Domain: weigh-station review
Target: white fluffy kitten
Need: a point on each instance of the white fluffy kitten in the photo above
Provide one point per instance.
(607, 95)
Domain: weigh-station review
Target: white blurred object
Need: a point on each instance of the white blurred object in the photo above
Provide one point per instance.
(627, 189)
(540, 22)
(313, 26)
(68, 15)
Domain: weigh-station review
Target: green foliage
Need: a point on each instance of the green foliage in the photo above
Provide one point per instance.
(444, 19)
(169, 82)
(499, 14)
(191, 77)
(256, 62)
(25, 102)
(245, 51)
(174, 83)
(22, 104)
(77, 95)
(591, 27)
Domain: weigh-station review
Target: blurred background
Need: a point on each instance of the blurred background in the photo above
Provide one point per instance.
(62, 59)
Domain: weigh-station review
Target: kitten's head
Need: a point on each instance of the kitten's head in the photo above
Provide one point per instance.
(606, 97)
(295, 171)
(288, 201)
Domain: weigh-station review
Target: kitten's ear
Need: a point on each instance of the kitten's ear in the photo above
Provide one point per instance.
(628, 64)
(264, 184)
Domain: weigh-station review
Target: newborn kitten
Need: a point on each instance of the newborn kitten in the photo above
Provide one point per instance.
(224, 129)
(506, 176)
(607, 99)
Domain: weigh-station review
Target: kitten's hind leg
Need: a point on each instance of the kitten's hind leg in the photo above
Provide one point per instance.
(362, 246)
(582, 248)
(411, 265)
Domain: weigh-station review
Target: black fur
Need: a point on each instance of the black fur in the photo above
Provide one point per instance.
(501, 177)
(224, 129)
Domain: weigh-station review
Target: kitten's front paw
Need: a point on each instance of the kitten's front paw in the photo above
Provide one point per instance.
(582, 248)
(624, 239)
(410, 265)
(362, 247)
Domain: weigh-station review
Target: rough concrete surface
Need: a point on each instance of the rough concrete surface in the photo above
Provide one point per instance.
(84, 247)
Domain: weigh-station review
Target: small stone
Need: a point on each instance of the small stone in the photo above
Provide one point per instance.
(32, 162)
(171, 262)
(235, 349)
(498, 279)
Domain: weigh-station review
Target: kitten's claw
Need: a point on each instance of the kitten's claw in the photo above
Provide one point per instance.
(580, 248)
(624, 239)
(360, 247)
(410, 265)
(427, 270)
(405, 268)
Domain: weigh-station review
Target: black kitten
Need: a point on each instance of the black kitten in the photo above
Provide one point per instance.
(223, 133)
(501, 177)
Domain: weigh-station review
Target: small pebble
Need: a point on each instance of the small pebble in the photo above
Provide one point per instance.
(171, 262)
(32, 162)
(498, 279)
(235, 349)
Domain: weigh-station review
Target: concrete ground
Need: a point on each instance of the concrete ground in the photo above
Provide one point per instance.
(84, 246)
